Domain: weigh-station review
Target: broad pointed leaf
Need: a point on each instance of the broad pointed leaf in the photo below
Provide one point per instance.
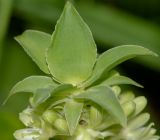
(60, 93)
(63, 89)
(73, 110)
(31, 84)
(118, 80)
(41, 95)
(105, 98)
(35, 44)
(114, 57)
(72, 54)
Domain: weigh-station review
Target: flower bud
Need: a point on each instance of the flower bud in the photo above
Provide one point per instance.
(84, 137)
(48, 131)
(141, 103)
(125, 97)
(116, 90)
(28, 134)
(50, 116)
(132, 135)
(152, 131)
(139, 121)
(95, 116)
(29, 118)
(128, 108)
(147, 129)
(83, 134)
(61, 125)
(113, 73)
(98, 134)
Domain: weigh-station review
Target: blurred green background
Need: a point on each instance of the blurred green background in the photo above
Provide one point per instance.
(113, 22)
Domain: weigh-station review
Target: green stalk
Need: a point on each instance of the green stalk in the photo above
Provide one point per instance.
(5, 13)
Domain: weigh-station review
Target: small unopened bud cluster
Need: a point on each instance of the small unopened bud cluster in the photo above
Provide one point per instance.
(94, 123)
(137, 128)
(41, 126)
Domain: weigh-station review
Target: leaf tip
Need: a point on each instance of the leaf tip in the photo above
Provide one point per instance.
(150, 52)
(139, 85)
(69, 8)
(16, 38)
(5, 101)
(155, 54)
(68, 4)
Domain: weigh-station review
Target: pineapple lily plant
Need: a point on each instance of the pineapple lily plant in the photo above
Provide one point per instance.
(80, 97)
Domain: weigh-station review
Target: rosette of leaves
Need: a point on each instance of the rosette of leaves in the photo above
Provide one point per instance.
(78, 98)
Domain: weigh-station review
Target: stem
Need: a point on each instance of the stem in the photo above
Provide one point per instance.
(5, 13)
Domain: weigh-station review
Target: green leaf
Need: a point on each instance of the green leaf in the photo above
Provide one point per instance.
(118, 79)
(108, 24)
(111, 28)
(114, 57)
(105, 98)
(31, 84)
(59, 94)
(73, 110)
(35, 44)
(72, 54)
(63, 89)
(41, 95)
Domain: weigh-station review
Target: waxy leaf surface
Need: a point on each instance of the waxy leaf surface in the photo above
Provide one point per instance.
(41, 95)
(114, 57)
(35, 44)
(73, 110)
(59, 93)
(105, 98)
(72, 53)
(32, 84)
(118, 80)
